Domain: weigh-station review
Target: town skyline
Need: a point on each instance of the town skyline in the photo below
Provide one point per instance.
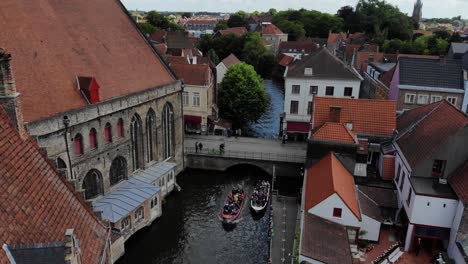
(431, 8)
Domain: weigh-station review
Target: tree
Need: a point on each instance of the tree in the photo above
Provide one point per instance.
(295, 30)
(242, 97)
(187, 15)
(221, 25)
(256, 54)
(157, 20)
(350, 19)
(443, 34)
(147, 28)
(272, 11)
(211, 54)
(238, 19)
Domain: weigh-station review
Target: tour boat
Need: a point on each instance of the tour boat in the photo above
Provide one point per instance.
(233, 206)
(260, 196)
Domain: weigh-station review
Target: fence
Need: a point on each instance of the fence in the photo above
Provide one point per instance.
(264, 156)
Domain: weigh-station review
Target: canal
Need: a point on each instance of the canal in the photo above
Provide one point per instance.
(269, 124)
(190, 231)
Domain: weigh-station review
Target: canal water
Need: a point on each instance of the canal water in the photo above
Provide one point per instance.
(269, 124)
(190, 231)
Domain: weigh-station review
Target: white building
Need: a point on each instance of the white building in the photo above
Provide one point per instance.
(320, 74)
(224, 65)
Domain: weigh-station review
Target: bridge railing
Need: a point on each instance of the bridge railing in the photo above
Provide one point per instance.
(284, 157)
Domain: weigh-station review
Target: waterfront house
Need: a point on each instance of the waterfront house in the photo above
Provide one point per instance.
(224, 65)
(430, 145)
(319, 74)
(274, 36)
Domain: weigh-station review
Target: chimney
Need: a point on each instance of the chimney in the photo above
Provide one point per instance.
(72, 248)
(335, 114)
(9, 97)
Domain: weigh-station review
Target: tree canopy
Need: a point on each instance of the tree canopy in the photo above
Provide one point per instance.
(238, 19)
(427, 45)
(242, 97)
(162, 22)
(211, 54)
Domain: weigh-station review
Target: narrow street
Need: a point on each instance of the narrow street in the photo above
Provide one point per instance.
(284, 226)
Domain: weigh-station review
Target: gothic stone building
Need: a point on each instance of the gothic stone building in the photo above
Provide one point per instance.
(85, 82)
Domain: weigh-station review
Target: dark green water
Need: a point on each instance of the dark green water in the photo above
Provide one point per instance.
(190, 231)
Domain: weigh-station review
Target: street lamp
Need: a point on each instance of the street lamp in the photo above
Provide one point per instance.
(66, 123)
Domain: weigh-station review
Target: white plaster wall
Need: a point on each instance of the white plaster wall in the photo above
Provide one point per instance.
(452, 249)
(220, 72)
(205, 105)
(434, 214)
(304, 96)
(372, 227)
(325, 210)
(465, 98)
(409, 234)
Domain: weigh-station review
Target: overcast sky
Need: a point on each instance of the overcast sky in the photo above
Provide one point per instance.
(431, 8)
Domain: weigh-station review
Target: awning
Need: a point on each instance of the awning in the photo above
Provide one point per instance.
(154, 172)
(192, 119)
(298, 127)
(120, 202)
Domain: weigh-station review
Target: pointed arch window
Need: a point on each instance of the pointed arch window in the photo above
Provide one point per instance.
(118, 170)
(151, 138)
(92, 184)
(120, 130)
(93, 139)
(168, 130)
(78, 140)
(137, 142)
(108, 133)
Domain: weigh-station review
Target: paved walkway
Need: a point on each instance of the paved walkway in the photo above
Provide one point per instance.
(284, 226)
(248, 145)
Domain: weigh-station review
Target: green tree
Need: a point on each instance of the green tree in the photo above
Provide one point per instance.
(295, 30)
(238, 19)
(157, 20)
(443, 34)
(211, 54)
(272, 11)
(242, 97)
(350, 19)
(315, 23)
(221, 25)
(256, 54)
(147, 28)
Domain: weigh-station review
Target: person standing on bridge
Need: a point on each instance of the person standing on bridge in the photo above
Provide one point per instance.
(200, 146)
(196, 147)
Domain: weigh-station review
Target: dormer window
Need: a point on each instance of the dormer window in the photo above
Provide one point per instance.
(349, 125)
(89, 88)
(308, 72)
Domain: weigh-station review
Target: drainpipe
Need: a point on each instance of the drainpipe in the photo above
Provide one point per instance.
(66, 123)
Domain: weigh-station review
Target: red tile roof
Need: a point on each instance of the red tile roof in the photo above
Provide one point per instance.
(423, 130)
(193, 74)
(459, 181)
(38, 206)
(271, 29)
(230, 60)
(176, 60)
(328, 177)
(298, 46)
(325, 241)
(333, 37)
(422, 32)
(59, 40)
(158, 36)
(362, 59)
(286, 60)
(369, 117)
(201, 22)
(335, 132)
(238, 31)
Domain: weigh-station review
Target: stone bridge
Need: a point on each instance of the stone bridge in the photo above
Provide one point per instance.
(269, 155)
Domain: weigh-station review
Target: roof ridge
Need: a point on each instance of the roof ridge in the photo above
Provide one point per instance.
(367, 196)
(410, 128)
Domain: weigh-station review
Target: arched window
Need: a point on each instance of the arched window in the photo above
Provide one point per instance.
(151, 139)
(108, 133)
(92, 184)
(137, 142)
(168, 130)
(62, 167)
(118, 170)
(93, 139)
(120, 130)
(78, 144)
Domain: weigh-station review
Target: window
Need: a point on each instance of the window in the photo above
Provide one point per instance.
(92, 184)
(139, 214)
(308, 72)
(348, 91)
(329, 90)
(62, 167)
(435, 98)
(294, 107)
(78, 145)
(409, 98)
(196, 99)
(151, 136)
(309, 108)
(120, 130)
(118, 170)
(154, 202)
(397, 179)
(168, 130)
(423, 98)
(92, 139)
(452, 100)
(438, 168)
(409, 196)
(313, 90)
(296, 89)
(125, 224)
(185, 98)
(403, 176)
(108, 133)
(137, 142)
(337, 212)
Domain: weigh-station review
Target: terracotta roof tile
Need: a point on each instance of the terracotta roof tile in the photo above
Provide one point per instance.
(333, 37)
(334, 132)
(325, 241)
(298, 46)
(59, 40)
(37, 204)
(327, 177)
(176, 60)
(238, 31)
(369, 117)
(193, 74)
(158, 36)
(230, 60)
(286, 60)
(421, 131)
(271, 29)
(459, 181)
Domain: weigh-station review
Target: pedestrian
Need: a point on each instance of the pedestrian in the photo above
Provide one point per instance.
(283, 139)
(200, 146)
(240, 132)
(418, 246)
(221, 149)
(196, 147)
(286, 138)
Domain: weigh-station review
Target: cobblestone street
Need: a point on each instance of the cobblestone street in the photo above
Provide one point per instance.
(284, 226)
